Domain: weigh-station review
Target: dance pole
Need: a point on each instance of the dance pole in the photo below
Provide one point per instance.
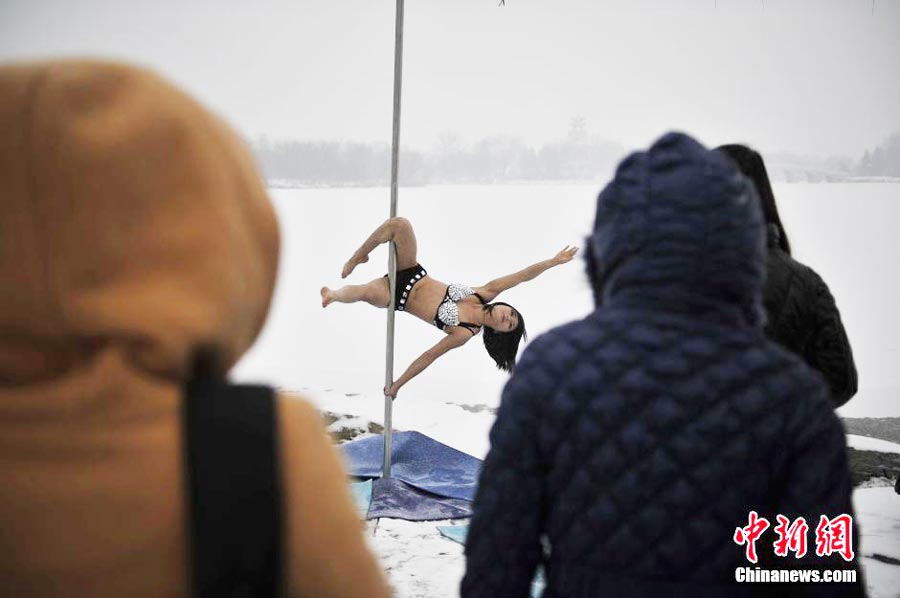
(392, 250)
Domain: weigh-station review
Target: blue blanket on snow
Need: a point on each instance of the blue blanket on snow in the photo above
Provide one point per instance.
(430, 480)
(419, 461)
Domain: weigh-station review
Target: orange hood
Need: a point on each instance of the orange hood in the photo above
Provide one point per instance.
(132, 221)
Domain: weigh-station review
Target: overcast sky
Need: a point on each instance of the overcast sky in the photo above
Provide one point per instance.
(817, 77)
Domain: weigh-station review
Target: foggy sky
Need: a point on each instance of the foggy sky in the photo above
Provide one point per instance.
(817, 77)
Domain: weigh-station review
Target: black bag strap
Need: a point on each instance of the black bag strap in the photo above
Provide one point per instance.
(233, 487)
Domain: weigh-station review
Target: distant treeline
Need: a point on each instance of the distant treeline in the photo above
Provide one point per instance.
(577, 157)
(491, 160)
(884, 160)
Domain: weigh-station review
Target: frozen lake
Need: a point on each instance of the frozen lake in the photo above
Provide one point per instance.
(472, 234)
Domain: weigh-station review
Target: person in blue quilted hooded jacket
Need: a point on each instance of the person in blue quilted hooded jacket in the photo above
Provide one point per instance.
(631, 446)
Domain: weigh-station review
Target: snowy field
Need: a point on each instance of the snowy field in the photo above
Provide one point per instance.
(472, 234)
(864, 443)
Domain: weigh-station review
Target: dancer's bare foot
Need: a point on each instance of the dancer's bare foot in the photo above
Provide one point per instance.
(352, 263)
(327, 296)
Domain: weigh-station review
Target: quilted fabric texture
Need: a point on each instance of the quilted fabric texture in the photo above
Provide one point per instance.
(630, 445)
(803, 317)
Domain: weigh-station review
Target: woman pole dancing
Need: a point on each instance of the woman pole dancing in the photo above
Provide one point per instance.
(458, 310)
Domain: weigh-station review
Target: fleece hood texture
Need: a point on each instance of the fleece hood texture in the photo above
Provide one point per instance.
(132, 221)
(134, 232)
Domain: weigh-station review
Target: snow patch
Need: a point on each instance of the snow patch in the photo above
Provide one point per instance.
(878, 522)
(419, 561)
(864, 443)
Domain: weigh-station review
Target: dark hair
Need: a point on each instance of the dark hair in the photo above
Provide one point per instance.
(503, 346)
(752, 166)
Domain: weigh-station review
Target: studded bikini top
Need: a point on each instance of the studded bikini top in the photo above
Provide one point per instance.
(447, 313)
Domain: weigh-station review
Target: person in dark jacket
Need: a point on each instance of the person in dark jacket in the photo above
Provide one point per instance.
(801, 314)
(631, 445)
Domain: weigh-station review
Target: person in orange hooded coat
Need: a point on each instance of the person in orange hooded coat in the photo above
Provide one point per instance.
(134, 228)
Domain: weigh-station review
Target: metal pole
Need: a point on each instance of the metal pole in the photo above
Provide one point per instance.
(392, 251)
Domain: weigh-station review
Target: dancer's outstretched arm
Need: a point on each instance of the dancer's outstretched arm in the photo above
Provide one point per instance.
(455, 339)
(490, 290)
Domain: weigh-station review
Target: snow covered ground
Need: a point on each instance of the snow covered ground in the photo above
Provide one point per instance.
(878, 517)
(419, 561)
(864, 443)
(422, 563)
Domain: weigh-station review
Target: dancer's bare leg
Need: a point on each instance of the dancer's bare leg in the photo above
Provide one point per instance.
(376, 293)
(398, 230)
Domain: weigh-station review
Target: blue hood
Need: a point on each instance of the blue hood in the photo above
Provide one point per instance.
(679, 229)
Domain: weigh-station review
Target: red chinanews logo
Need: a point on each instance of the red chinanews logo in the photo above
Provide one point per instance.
(833, 536)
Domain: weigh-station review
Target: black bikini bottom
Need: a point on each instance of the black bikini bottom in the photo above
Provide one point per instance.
(406, 280)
